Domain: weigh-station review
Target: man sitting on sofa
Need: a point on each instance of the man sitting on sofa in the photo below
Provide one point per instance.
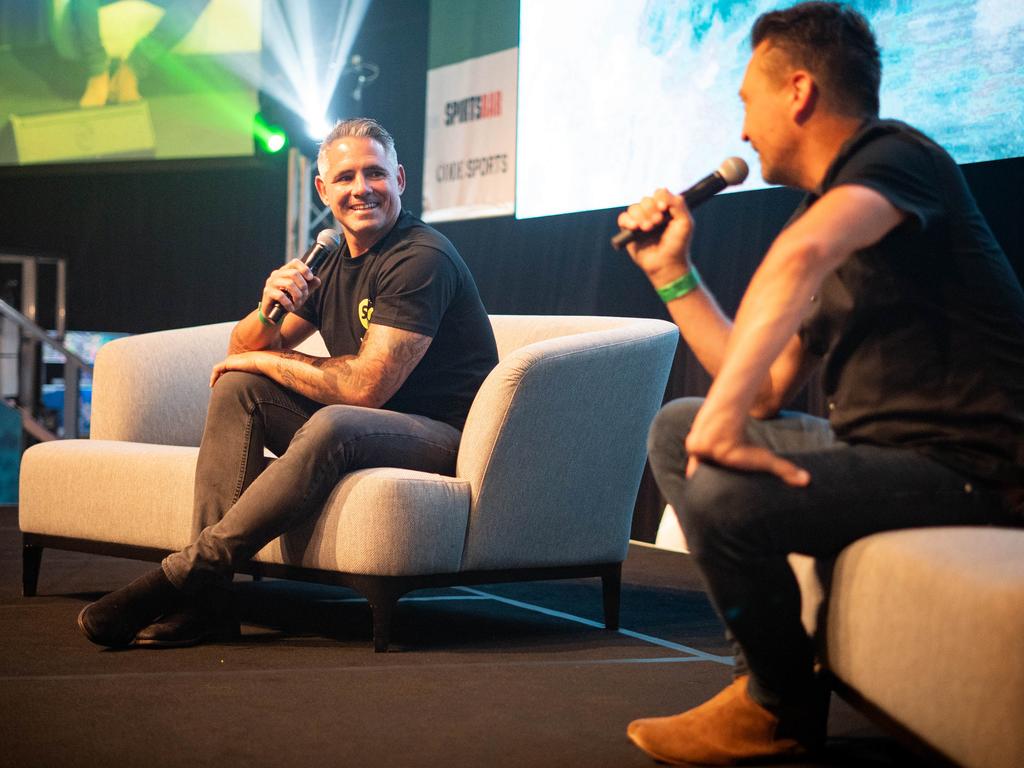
(888, 276)
(409, 342)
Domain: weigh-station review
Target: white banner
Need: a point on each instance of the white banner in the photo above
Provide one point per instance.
(469, 160)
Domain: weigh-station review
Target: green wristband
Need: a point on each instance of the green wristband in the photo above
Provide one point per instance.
(263, 318)
(680, 287)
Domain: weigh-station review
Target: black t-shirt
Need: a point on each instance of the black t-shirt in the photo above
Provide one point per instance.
(922, 334)
(415, 280)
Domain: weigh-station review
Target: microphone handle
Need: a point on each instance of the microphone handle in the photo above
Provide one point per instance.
(699, 193)
(314, 258)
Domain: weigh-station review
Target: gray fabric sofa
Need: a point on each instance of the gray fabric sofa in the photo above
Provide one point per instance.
(547, 472)
(924, 630)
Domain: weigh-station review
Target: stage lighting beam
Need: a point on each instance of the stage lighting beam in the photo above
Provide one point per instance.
(310, 52)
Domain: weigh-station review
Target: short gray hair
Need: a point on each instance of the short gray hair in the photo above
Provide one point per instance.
(365, 127)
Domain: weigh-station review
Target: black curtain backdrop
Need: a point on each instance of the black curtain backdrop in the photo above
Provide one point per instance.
(156, 246)
(149, 247)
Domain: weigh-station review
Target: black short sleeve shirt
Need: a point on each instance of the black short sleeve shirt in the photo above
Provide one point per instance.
(922, 334)
(413, 279)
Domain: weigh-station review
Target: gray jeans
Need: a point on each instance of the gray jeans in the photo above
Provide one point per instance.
(740, 526)
(242, 502)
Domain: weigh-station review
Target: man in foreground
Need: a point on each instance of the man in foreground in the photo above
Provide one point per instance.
(887, 277)
(409, 343)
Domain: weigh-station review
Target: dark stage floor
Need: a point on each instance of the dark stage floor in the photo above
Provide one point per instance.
(510, 675)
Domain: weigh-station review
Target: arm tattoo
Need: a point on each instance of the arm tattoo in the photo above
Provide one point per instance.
(372, 377)
(405, 355)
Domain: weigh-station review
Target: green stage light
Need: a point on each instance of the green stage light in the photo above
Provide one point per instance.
(275, 141)
(270, 137)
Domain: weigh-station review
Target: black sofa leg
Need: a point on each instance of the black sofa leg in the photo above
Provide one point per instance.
(611, 590)
(31, 559)
(382, 594)
(383, 612)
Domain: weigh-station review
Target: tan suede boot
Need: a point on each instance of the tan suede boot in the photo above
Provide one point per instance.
(726, 730)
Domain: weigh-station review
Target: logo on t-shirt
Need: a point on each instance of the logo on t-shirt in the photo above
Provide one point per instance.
(365, 312)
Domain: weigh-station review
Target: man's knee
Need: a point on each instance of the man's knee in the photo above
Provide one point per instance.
(671, 425)
(232, 382)
(235, 396)
(230, 388)
(332, 426)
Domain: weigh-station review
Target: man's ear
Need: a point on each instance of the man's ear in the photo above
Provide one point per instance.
(804, 95)
(321, 189)
(400, 177)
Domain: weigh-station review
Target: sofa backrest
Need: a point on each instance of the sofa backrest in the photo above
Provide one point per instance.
(154, 387)
(556, 438)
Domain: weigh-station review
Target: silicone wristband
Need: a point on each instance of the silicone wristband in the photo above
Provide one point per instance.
(680, 287)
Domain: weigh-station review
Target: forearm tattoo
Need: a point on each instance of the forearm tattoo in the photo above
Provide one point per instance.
(370, 378)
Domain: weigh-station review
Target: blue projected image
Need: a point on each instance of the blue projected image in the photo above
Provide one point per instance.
(644, 94)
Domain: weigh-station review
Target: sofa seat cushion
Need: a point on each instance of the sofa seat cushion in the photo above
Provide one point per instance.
(928, 622)
(137, 494)
(384, 522)
(377, 521)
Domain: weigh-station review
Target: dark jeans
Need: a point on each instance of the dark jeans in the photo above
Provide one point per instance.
(740, 526)
(242, 503)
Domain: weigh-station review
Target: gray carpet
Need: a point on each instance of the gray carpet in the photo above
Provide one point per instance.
(509, 675)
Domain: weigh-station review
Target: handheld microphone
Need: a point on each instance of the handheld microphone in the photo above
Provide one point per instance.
(327, 242)
(733, 170)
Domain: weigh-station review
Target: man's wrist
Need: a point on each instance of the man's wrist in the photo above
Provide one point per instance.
(680, 286)
(666, 273)
(264, 320)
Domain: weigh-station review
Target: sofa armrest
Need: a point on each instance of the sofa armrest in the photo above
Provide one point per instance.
(555, 444)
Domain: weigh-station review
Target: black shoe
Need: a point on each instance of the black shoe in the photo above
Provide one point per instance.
(115, 619)
(191, 625)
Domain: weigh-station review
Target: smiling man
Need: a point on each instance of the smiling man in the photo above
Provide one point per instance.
(888, 279)
(361, 180)
(409, 343)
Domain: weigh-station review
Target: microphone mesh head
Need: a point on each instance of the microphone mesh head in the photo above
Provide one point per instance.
(329, 238)
(733, 170)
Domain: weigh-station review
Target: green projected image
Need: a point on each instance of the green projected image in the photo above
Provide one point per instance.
(98, 80)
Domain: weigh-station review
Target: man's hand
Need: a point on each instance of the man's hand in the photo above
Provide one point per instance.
(290, 286)
(718, 438)
(244, 361)
(663, 256)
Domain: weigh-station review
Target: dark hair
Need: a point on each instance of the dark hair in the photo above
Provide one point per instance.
(835, 44)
